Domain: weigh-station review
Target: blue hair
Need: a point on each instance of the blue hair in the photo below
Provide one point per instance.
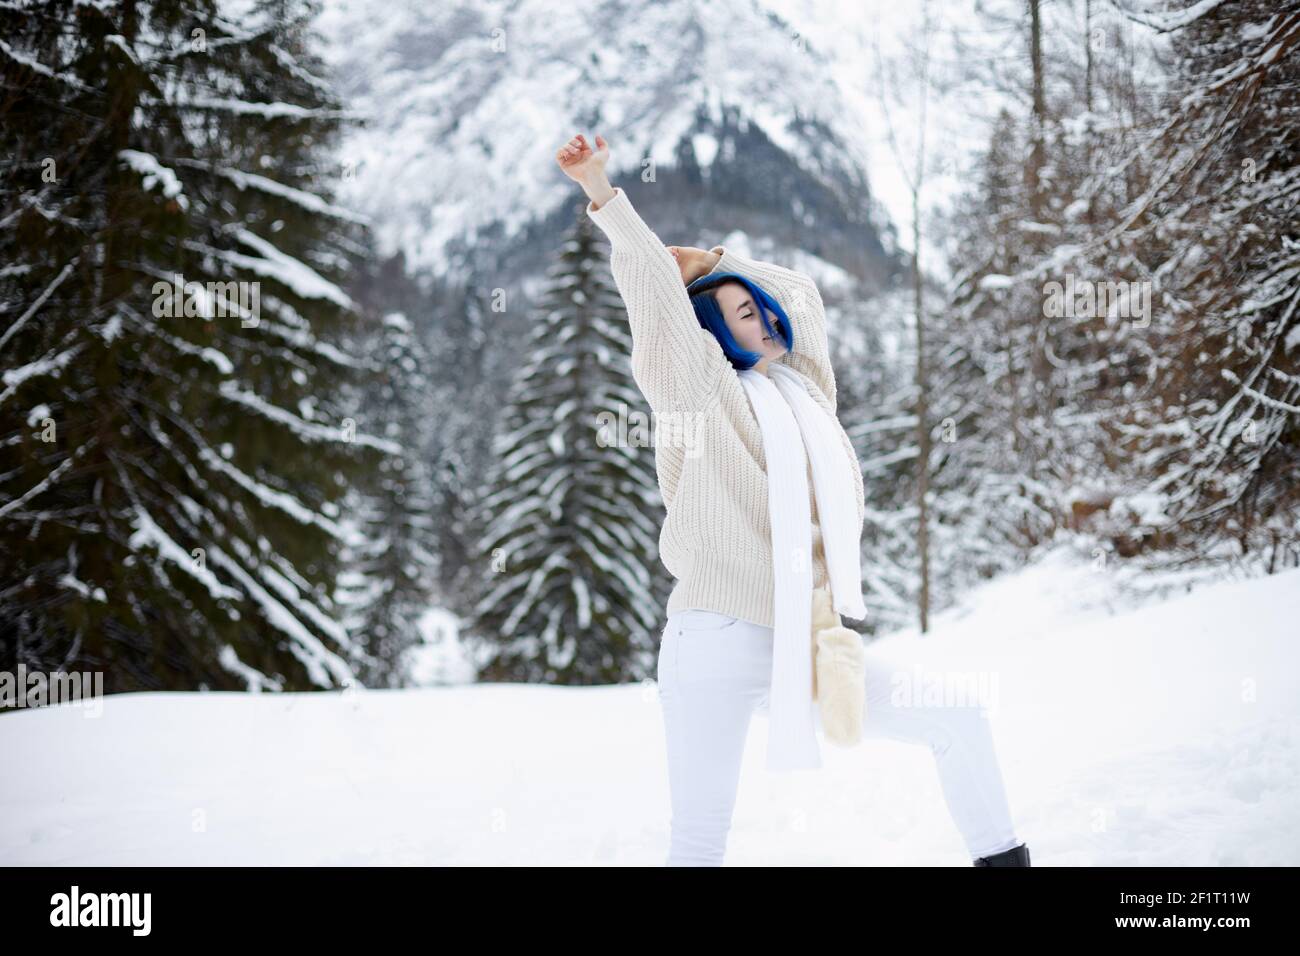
(708, 313)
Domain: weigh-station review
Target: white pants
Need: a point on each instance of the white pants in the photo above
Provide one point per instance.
(714, 673)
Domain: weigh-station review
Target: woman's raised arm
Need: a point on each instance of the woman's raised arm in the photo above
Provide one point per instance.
(677, 364)
(586, 167)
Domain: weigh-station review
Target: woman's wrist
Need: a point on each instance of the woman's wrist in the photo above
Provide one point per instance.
(708, 262)
(598, 190)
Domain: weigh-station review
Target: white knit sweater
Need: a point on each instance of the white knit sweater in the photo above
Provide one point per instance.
(716, 537)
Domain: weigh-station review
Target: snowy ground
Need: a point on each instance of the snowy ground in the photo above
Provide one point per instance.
(1165, 734)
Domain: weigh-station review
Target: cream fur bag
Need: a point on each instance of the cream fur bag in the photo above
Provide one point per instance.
(839, 673)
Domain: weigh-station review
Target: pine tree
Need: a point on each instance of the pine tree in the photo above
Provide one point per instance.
(569, 588)
(1165, 416)
(986, 478)
(876, 401)
(175, 440)
(1035, 392)
(391, 565)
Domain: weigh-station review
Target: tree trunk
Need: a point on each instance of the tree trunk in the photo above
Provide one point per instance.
(922, 419)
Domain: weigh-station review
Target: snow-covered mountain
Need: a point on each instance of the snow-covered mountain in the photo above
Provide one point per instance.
(734, 114)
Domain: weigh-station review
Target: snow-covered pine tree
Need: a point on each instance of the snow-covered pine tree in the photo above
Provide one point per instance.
(172, 442)
(456, 394)
(971, 495)
(391, 564)
(989, 486)
(1214, 223)
(569, 585)
(1034, 391)
(990, 329)
(1101, 345)
(876, 401)
(1182, 420)
(459, 445)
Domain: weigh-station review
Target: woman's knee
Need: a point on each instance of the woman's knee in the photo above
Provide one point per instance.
(940, 726)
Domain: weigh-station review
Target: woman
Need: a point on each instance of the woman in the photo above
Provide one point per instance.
(715, 666)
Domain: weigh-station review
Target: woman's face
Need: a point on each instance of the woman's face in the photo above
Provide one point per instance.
(744, 321)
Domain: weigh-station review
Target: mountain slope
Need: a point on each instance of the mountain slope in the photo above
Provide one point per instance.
(736, 116)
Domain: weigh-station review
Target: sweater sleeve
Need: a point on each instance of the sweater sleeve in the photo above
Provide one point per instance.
(799, 297)
(677, 364)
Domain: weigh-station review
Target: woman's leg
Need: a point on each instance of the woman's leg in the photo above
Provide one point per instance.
(961, 738)
(711, 674)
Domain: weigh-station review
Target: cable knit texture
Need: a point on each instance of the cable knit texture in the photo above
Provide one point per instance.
(716, 537)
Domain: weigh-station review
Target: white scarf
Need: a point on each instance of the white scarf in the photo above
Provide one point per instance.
(787, 412)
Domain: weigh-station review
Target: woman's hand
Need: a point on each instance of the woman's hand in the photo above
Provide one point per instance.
(586, 167)
(580, 162)
(694, 262)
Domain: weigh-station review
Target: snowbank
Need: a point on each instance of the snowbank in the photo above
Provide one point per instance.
(1163, 732)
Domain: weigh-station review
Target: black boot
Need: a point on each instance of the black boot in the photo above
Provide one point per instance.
(1016, 856)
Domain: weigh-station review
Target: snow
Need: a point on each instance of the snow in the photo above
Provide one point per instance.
(309, 431)
(452, 103)
(293, 273)
(298, 276)
(441, 657)
(1143, 11)
(280, 500)
(149, 534)
(119, 41)
(1148, 507)
(323, 665)
(1292, 339)
(13, 504)
(266, 110)
(111, 329)
(1132, 729)
(1075, 210)
(84, 589)
(309, 201)
(255, 680)
(994, 281)
(52, 365)
(12, 330)
(155, 173)
(39, 67)
(1272, 54)
(706, 149)
(300, 335)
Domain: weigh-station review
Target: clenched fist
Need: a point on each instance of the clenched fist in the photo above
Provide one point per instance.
(580, 162)
(693, 262)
